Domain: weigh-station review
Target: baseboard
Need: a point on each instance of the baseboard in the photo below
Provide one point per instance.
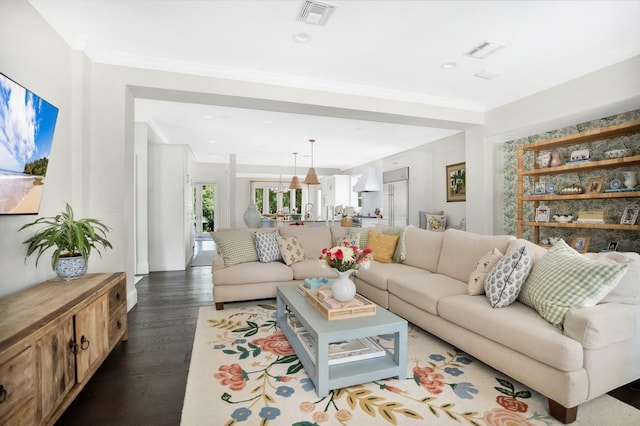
(132, 298)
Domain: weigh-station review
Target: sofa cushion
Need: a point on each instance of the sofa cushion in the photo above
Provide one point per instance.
(484, 266)
(291, 249)
(379, 274)
(236, 246)
(425, 290)
(382, 246)
(422, 248)
(267, 247)
(311, 268)
(564, 279)
(312, 238)
(517, 327)
(535, 251)
(506, 278)
(461, 251)
(252, 272)
(436, 222)
(628, 289)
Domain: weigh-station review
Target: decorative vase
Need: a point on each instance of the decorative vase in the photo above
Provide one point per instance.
(69, 268)
(252, 216)
(543, 159)
(346, 222)
(555, 159)
(630, 179)
(343, 288)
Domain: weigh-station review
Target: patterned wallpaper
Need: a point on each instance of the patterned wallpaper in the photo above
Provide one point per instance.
(613, 208)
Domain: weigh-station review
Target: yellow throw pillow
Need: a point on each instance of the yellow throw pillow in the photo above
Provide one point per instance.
(382, 246)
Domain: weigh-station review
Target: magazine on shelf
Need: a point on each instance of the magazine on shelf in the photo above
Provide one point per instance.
(345, 350)
(295, 323)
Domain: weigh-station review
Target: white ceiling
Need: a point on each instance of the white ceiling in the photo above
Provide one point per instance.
(385, 49)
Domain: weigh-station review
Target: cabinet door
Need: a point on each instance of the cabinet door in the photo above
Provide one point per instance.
(56, 366)
(92, 329)
(17, 391)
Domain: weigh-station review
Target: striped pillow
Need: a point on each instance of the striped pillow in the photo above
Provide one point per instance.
(236, 246)
(563, 279)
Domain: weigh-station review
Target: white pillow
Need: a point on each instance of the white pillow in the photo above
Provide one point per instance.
(506, 278)
(484, 266)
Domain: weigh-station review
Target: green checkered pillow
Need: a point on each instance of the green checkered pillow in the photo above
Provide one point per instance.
(563, 279)
(237, 246)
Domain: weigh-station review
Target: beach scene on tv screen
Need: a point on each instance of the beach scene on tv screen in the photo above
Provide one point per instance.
(27, 124)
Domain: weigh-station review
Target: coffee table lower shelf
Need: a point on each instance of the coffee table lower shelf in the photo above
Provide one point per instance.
(326, 377)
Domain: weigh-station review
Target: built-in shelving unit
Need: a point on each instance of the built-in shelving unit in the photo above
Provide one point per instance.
(530, 152)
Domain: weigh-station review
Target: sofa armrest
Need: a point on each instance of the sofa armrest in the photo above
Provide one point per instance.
(602, 325)
(218, 262)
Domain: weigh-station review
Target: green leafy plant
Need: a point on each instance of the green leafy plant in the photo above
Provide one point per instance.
(69, 236)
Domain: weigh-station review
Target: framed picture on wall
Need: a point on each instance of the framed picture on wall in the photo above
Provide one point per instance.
(456, 182)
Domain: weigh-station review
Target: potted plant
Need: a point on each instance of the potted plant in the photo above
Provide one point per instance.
(73, 241)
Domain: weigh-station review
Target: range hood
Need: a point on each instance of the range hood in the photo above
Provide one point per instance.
(368, 182)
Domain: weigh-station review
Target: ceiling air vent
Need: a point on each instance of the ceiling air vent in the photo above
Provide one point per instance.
(315, 12)
(484, 49)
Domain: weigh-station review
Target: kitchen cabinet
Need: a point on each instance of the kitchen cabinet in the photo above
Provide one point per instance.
(336, 191)
(54, 337)
(530, 174)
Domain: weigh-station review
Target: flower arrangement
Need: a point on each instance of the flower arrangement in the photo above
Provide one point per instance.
(345, 211)
(345, 257)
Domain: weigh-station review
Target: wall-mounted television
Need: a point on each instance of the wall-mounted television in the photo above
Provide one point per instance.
(27, 124)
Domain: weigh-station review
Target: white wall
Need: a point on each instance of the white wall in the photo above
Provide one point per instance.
(34, 56)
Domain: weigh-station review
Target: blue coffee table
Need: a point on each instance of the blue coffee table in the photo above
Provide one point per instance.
(326, 377)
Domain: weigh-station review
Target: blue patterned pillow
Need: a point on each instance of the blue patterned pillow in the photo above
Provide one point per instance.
(507, 277)
(267, 247)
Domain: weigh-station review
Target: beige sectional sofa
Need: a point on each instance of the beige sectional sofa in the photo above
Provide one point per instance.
(596, 350)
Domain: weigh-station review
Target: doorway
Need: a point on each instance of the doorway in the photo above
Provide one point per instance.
(204, 211)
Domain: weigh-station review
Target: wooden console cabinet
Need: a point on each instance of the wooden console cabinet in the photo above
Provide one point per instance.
(53, 338)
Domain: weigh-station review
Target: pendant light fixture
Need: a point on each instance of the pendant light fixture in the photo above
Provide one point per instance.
(280, 189)
(312, 177)
(295, 181)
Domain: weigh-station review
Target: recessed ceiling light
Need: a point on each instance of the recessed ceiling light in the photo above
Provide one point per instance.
(484, 49)
(212, 141)
(448, 65)
(268, 122)
(301, 37)
(208, 117)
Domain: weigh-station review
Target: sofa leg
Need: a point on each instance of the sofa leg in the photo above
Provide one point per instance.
(219, 306)
(562, 413)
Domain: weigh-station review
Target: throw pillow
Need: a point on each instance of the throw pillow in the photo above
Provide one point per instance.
(563, 279)
(484, 266)
(436, 223)
(382, 246)
(422, 216)
(353, 238)
(291, 249)
(506, 278)
(267, 247)
(236, 246)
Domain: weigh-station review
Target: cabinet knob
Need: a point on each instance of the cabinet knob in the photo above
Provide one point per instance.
(119, 324)
(73, 346)
(117, 295)
(84, 343)
(3, 394)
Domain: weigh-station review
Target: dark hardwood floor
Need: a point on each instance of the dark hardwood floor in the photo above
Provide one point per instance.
(143, 381)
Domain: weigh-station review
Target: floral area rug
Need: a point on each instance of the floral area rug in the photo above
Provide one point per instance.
(244, 372)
